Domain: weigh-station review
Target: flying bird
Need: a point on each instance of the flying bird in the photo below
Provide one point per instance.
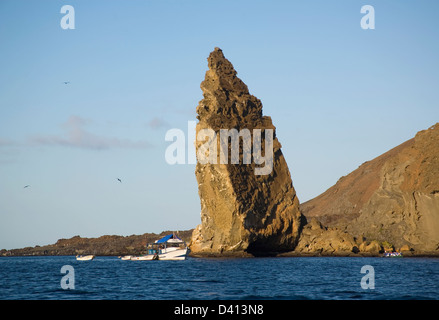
(66, 82)
(119, 180)
(26, 186)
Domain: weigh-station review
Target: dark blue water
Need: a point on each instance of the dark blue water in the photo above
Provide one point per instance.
(109, 278)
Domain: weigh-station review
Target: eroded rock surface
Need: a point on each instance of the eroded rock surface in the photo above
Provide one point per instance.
(318, 239)
(242, 210)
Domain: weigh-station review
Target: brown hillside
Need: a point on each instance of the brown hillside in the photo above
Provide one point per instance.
(394, 197)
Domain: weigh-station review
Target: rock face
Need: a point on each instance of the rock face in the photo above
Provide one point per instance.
(318, 239)
(393, 198)
(250, 206)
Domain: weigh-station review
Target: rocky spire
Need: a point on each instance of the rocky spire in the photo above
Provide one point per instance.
(241, 210)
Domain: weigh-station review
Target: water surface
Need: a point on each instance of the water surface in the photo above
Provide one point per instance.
(109, 278)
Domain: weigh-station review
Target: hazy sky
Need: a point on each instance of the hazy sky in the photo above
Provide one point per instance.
(337, 94)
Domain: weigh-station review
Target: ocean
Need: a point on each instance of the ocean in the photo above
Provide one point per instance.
(287, 278)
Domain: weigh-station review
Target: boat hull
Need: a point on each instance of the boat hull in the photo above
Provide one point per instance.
(85, 258)
(165, 254)
(178, 254)
(147, 257)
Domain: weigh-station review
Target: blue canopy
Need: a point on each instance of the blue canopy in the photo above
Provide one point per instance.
(166, 238)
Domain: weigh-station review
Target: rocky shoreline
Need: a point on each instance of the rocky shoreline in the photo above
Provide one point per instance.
(107, 245)
(113, 245)
(294, 254)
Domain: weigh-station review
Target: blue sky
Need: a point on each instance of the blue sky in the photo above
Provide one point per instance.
(338, 96)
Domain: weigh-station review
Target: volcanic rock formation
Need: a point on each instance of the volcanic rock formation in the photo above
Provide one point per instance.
(393, 198)
(317, 239)
(248, 206)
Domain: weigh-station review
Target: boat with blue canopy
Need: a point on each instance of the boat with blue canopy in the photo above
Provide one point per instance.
(170, 247)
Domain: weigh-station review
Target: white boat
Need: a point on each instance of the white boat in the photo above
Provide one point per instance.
(173, 253)
(85, 258)
(126, 258)
(169, 247)
(143, 258)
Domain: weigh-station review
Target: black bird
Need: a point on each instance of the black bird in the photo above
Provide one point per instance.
(66, 82)
(26, 186)
(119, 180)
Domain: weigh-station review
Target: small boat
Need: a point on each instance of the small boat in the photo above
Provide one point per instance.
(169, 247)
(126, 258)
(85, 258)
(392, 254)
(145, 257)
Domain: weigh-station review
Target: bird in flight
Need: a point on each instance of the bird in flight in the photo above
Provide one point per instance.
(66, 82)
(119, 180)
(26, 186)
